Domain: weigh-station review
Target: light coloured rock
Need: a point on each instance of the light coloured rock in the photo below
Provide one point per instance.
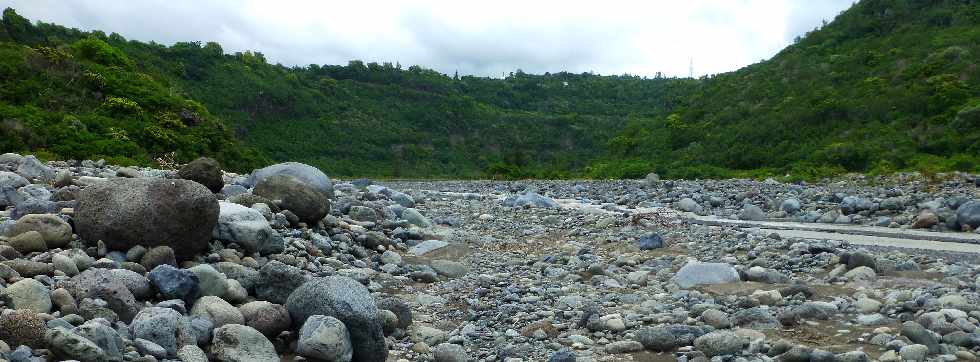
(697, 273)
(324, 338)
(239, 343)
(28, 294)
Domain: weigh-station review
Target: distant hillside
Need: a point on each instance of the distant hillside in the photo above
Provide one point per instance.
(888, 85)
(88, 100)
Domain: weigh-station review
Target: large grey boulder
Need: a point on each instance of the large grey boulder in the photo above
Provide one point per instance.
(149, 212)
(103, 284)
(307, 174)
(27, 294)
(969, 214)
(697, 273)
(247, 227)
(309, 203)
(68, 345)
(205, 171)
(720, 343)
(238, 343)
(217, 310)
(351, 303)
(324, 338)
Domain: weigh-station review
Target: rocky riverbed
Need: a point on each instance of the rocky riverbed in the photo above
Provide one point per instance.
(107, 263)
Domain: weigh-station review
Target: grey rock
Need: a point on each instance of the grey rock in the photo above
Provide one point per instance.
(218, 311)
(650, 241)
(32, 169)
(55, 231)
(791, 206)
(68, 345)
(191, 353)
(239, 343)
(324, 338)
(308, 201)
(350, 302)
(28, 294)
(969, 214)
(105, 337)
(277, 281)
(448, 268)
(362, 213)
(720, 343)
(751, 212)
(268, 318)
(248, 228)
(173, 283)
(205, 171)
(146, 347)
(159, 325)
(210, 281)
(426, 247)
(531, 199)
(689, 205)
(102, 284)
(697, 273)
(916, 333)
(415, 217)
(149, 212)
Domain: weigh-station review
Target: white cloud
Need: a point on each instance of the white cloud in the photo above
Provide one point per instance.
(484, 38)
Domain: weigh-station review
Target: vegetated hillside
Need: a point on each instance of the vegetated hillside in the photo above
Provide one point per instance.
(888, 85)
(88, 100)
(382, 120)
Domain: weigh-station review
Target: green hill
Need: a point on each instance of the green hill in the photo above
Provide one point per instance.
(888, 85)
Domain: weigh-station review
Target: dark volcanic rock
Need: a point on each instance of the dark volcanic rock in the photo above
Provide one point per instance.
(150, 212)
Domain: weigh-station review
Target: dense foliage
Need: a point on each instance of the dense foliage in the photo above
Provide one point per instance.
(888, 85)
(85, 99)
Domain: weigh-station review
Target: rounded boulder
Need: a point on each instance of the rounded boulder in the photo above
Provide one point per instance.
(149, 212)
(348, 301)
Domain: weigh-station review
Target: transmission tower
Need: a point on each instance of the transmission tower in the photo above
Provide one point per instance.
(690, 68)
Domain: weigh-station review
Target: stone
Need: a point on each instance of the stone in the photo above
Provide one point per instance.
(102, 284)
(348, 301)
(916, 333)
(969, 214)
(63, 179)
(362, 213)
(416, 218)
(401, 310)
(27, 268)
(65, 264)
(716, 319)
(697, 273)
(28, 242)
(791, 206)
(218, 311)
(64, 301)
(428, 335)
(149, 348)
(751, 212)
(53, 229)
(689, 205)
(268, 318)
(563, 355)
(391, 257)
(308, 202)
(28, 294)
(209, 280)
(277, 281)
(12, 180)
(32, 169)
(650, 241)
(925, 219)
(867, 305)
(239, 343)
(720, 343)
(914, 352)
(159, 325)
(22, 327)
(449, 352)
(853, 204)
(247, 227)
(205, 171)
(861, 273)
(324, 338)
(191, 353)
(161, 255)
(427, 246)
(70, 346)
(860, 258)
(531, 199)
(448, 268)
(173, 283)
(149, 212)
(627, 346)
(105, 337)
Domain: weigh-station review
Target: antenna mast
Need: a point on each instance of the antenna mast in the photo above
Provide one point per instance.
(690, 68)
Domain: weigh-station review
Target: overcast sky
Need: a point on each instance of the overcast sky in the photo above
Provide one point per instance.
(473, 37)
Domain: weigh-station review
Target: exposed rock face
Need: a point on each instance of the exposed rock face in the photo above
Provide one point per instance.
(149, 212)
